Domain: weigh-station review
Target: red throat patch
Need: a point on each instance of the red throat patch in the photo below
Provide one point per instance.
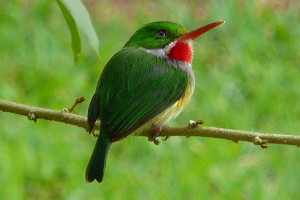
(182, 51)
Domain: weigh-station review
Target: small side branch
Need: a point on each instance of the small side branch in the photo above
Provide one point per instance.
(258, 138)
(78, 101)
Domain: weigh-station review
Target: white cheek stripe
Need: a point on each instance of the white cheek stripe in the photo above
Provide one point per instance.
(163, 52)
(157, 52)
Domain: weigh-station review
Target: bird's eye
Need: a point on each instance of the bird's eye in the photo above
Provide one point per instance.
(161, 33)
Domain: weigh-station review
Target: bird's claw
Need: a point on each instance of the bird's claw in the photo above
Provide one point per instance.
(167, 137)
(91, 130)
(155, 134)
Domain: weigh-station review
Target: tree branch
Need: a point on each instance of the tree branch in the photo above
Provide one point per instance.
(34, 113)
(261, 139)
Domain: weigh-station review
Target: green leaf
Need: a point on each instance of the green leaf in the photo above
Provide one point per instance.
(77, 17)
(76, 43)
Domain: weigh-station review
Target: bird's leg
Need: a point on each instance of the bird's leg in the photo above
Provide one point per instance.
(155, 134)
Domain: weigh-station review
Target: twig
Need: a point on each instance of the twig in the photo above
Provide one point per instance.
(78, 101)
(261, 139)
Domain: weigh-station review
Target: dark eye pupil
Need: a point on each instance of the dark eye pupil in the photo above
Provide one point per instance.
(161, 33)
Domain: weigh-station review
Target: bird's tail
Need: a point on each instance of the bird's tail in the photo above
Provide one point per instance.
(96, 166)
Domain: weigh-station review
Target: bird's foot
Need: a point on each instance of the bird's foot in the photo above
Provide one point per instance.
(167, 137)
(193, 124)
(91, 130)
(155, 134)
(94, 134)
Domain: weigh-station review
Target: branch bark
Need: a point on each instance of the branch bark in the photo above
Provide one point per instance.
(258, 138)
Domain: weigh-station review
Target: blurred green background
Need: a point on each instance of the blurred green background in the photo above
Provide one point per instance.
(247, 77)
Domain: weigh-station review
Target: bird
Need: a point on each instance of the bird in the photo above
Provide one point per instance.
(143, 86)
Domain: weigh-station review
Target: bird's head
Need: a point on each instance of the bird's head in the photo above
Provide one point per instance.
(168, 40)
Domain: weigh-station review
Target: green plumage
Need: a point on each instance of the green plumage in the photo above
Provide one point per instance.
(134, 87)
(96, 166)
(148, 82)
(146, 36)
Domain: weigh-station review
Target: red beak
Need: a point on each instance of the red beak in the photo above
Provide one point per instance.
(196, 33)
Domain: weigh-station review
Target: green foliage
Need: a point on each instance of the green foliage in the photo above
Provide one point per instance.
(247, 77)
(76, 17)
(76, 42)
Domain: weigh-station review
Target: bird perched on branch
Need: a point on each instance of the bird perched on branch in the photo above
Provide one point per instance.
(143, 86)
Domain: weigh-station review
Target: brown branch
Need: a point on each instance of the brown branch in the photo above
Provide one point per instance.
(34, 113)
(261, 139)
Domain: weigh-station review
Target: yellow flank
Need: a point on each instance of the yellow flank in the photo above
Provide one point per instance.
(170, 112)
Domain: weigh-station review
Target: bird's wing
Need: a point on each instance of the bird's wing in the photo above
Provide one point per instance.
(94, 111)
(134, 87)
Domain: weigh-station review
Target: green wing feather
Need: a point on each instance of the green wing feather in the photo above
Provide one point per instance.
(94, 110)
(134, 87)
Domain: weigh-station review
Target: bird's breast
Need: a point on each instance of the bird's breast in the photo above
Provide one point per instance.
(179, 105)
(172, 111)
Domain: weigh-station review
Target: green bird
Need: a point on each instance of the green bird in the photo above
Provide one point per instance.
(144, 85)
